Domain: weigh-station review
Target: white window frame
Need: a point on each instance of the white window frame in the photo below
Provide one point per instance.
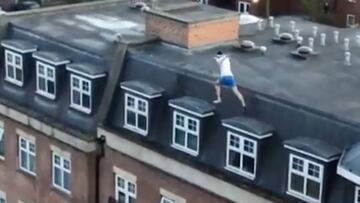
(357, 194)
(348, 16)
(3, 196)
(166, 200)
(136, 110)
(186, 130)
(124, 190)
(306, 176)
(242, 152)
(13, 55)
(28, 154)
(62, 171)
(246, 5)
(81, 91)
(45, 76)
(2, 137)
(206, 2)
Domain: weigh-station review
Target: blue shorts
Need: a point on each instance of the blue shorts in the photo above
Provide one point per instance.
(227, 81)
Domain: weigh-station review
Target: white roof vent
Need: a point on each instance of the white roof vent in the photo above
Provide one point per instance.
(358, 40)
(347, 58)
(296, 33)
(247, 45)
(311, 42)
(323, 39)
(315, 31)
(284, 38)
(336, 36)
(271, 21)
(277, 29)
(260, 25)
(346, 44)
(250, 46)
(292, 26)
(303, 52)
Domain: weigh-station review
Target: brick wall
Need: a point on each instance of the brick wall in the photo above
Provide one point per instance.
(149, 181)
(20, 186)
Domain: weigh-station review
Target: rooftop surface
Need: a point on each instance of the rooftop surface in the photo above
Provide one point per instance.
(322, 83)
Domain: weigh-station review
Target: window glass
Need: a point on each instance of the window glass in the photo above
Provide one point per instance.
(136, 117)
(186, 133)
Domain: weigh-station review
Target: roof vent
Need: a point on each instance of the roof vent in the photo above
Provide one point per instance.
(303, 52)
(358, 40)
(315, 31)
(323, 39)
(250, 46)
(139, 4)
(292, 26)
(299, 41)
(260, 25)
(296, 33)
(336, 36)
(311, 42)
(347, 58)
(271, 21)
(284, 38)
(277, 29)
(346, 44)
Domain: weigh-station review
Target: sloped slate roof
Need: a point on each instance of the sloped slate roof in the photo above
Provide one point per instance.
(19, 44)
(146, 88)
(314, 146)
(53, 57)
(87, 68)
(249, 124)
(193, 104)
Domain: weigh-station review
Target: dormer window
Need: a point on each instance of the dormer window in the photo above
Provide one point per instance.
(139, 96)
(48, 66)
(16, 58)
(85, 80)
(244, 135)
(14, 68)
(309, 160)
(188, 118)
(45, 80)
(80, 93)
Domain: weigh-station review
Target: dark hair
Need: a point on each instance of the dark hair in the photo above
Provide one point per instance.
(219, 53)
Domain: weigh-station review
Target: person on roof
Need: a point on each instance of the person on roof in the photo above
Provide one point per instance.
(226, 79)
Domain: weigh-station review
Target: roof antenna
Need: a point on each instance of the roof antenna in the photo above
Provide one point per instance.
(336, 36)
(323, 39)
(315, 31)
(311, 42)
(271, 21)
(292, 26)
(277, 29)
(348, 58)
(346, 44)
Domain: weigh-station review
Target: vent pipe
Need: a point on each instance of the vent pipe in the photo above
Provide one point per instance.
(336, 36)
(260, 25)
(299, 41)
(358, 40)
(277, 29)
(271, 21)
(315, 31)
(292, 26)
(311, 42)
(297, 33)
(346, 44)
(263, 50)
(323, 39)
(348, 58)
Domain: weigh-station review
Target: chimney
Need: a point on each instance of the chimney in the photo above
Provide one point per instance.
(336, 36)
(322, 39)
(190, 25)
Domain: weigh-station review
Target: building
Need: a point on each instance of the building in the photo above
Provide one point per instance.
(124, 112)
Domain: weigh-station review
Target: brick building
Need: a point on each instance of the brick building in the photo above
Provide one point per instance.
(102, 103)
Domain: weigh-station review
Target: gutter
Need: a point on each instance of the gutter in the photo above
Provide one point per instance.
(100, 153)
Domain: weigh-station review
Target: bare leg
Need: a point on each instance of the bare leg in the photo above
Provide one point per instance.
(218, 94)
(239, 95)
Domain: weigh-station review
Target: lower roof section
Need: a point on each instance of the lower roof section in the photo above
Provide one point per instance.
(349, 164)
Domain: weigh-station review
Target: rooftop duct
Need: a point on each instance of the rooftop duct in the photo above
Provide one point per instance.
(303, 52)
(284, 38)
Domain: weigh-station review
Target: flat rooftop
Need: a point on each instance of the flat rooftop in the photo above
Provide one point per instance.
(322, 83)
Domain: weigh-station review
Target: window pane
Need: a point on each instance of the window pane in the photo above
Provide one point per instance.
(121, 182)
(179, 137)
(66, 164)
(75, 82)
(9, 57)
(18, 74)
(131, 188)
(248, 146)
(192, 141)
(121, 197)
(42, 84)
(248, 164)
(141, 106)
(242, 7)
(32, 147)
(41, 69)
(313, 189)
(297, 164)
(50, 73)
(86, 100)
(142, 122)
(51, 87)
(23, 159)
(17, 60)
(57, 160)
(234, 159)
(57, 176)
(192, 125)
(85, 86)
(132, 200)
(32, 163)
(314, 170)
(2, 144)
(66, 180)
(131, 118)
(130, 102)
(297, 183)
(76, 97)
(180, 120)
(235, 141)
(10, 71)
(23, 143)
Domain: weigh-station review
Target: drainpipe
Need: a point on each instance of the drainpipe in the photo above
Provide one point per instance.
(100, 153)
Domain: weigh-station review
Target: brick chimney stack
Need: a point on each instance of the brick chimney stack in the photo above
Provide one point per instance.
(190, 25)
